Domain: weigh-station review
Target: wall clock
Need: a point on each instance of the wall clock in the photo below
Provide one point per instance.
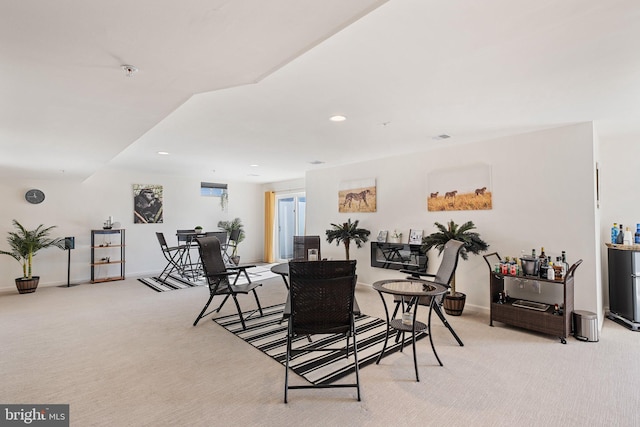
(34, 196)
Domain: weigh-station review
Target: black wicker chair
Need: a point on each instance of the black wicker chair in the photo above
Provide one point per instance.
(443, 276)
(302, 245)
(222, 279)
(321, 301)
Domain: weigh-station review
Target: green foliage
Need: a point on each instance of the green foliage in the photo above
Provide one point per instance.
(471, 239)
(346, 233)
(229, 226)
(26, 243)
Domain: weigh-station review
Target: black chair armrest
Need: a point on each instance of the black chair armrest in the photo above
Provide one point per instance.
(417, 273)
(240, 267)
(222, 274)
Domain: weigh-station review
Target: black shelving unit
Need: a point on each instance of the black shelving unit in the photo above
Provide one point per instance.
(107, 255)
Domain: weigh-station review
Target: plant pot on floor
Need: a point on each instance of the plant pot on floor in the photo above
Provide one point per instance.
(26, 285)
(235, 259)
(454, 304)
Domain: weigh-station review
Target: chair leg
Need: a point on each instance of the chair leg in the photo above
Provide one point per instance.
(436, 308)
(258, 302)
(355, 357)
(239, 311)
(201, 315)
(286, 366)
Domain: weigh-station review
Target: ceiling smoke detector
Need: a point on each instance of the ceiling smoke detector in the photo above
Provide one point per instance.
(129, 70)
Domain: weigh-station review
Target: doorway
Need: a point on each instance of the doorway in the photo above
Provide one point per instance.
(290, 221)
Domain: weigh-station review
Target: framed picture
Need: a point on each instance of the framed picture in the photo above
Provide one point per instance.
(357, 196)
(382, 236)
(415, 237)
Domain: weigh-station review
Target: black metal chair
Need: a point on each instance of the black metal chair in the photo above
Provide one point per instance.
(222, 279)
(229, 246)
(173, 255)
(302, 245)
(443, 276)
(187, 241)
(321, 301)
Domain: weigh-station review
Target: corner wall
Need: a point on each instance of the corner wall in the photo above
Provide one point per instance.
(543, 186)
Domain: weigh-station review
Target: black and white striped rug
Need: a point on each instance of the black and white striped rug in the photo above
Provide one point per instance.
(269, 335)
(175, 281)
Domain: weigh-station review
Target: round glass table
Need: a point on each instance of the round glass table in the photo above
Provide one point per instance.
(412, 289)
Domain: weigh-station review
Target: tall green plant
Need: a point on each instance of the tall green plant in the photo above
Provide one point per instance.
(471, 239)
(346, 233)
(229, 226)
(26, 243)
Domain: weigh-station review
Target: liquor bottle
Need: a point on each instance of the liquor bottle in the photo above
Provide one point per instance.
(533, 253)
(614, 233)
(620, 237)
(637, 236)
(550, 273)
(564, 262)
(628, 239)
(543, 264)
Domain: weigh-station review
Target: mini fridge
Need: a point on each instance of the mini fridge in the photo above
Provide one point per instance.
(624, 286)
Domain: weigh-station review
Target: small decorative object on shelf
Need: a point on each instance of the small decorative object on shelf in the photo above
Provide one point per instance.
(108, 224)
(395, 237)
(382, 236)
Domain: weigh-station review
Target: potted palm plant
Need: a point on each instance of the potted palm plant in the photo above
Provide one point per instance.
(454, 301)
(229, 227)
(24, 246)
(346, 233)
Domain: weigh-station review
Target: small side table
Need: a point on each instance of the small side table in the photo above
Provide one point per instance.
(413, 289)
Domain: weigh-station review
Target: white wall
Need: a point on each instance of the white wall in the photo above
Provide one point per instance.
(543, 187)
(76, 208)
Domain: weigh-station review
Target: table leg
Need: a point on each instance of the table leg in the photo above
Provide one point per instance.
(386, 335)
(429, 329)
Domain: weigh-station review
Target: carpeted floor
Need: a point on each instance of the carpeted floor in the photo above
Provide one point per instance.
(122, 355)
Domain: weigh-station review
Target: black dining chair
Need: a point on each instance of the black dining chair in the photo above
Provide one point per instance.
(443, 276)
(321, 301)
(222, 279)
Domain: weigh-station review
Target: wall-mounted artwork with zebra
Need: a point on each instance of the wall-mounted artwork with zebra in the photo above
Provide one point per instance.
(357, 196)
(461, 189)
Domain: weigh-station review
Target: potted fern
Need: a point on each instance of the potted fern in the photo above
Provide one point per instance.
(454, 301)
(24, 246)
(346, 233)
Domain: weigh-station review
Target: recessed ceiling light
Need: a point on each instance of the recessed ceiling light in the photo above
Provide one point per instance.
(129, 70)
(337, 118)
(316, 162)
(254, 166)
(163, 153)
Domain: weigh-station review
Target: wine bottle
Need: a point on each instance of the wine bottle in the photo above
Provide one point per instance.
(620, 237)
(543, 264)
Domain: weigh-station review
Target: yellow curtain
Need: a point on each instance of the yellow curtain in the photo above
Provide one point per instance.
(269, 218)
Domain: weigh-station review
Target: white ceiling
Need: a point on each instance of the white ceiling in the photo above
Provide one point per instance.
(226, 84)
